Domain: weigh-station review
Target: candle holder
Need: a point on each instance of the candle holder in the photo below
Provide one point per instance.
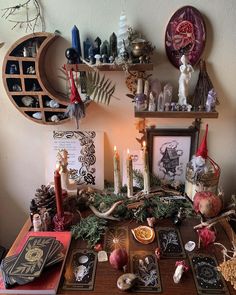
(63, 223)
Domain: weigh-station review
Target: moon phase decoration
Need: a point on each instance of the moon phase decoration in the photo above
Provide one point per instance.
(185, 34)
(25, 80)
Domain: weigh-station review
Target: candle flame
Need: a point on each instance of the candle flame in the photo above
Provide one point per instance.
(128, 151)
(114, 148)
(144, 143)
(58, 167)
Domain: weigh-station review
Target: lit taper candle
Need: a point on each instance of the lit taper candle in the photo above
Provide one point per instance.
(129, 167)
(117, 176)
(146, 176)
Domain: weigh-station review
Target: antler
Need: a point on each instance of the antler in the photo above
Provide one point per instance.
(107, 214)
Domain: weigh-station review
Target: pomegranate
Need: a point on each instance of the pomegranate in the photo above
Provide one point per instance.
(118, 258)
(207, 203)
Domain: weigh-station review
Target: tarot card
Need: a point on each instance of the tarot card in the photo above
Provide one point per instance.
(9, 280)
(31, 260)
(116, 237)
(80, 274)
(207, 278)
(144, 264)
(170, 243)
(55, 255)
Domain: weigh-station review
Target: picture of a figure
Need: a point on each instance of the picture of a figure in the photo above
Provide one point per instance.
(170, 156)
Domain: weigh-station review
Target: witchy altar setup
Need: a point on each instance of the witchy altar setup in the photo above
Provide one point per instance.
(168, 178)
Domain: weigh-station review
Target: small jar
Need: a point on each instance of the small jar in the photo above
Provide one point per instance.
(204, 179)
(37, 223)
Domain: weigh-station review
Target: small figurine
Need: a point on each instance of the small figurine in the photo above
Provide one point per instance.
(189, 107)
(167, 107)
(35, 87)
(62, 158)
(185, 74)
(33, 209)
(13, 69)
(30, 70)
(173, 106)
(16, 88)
(25, 52)
(211, 100)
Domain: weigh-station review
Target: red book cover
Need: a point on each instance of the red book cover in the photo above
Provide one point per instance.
(49, 280)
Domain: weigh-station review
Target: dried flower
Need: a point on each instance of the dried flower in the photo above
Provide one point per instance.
(228, 270)
(206, 236)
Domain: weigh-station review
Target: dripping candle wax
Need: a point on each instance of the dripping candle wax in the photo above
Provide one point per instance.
(58, 193)
(117, 177)
(129, 175)
(146, 176)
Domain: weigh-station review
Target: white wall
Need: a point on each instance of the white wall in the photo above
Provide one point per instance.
(22, 141)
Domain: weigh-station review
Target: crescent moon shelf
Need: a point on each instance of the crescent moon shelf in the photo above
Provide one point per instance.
(26, 83)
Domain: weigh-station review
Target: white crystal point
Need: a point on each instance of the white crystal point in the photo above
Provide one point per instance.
(122, 36)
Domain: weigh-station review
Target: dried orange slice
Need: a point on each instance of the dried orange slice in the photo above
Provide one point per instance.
(143, 234)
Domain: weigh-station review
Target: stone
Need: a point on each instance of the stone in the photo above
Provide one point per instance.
(37, 115)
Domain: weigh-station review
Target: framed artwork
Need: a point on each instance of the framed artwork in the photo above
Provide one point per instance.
(170, 150)
(85, 156)
(185, 34)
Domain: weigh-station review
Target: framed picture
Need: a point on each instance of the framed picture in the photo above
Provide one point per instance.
(85, 156)
(170, 150)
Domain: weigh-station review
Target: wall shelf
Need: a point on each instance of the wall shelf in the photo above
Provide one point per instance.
(34, 85)
(109, 67)
(176, 114)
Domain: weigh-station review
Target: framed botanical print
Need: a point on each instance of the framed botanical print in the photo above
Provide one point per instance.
(170, 150)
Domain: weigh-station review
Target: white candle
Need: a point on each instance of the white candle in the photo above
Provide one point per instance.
(146, 176)
(129, 175)
(117, 176)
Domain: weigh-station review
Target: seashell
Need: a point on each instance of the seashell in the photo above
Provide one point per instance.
(83, 259)
(54, 104)
(54, 118)
(27, 100)
(126, 281)
(37, 115)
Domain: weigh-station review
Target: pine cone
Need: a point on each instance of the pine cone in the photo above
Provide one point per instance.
(45, 198)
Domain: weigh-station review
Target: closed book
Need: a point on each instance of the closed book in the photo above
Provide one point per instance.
(49, 280)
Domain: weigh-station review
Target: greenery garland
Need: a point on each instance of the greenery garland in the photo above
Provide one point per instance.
(90, 229)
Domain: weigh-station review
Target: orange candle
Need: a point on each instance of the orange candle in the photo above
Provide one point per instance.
(58, 194)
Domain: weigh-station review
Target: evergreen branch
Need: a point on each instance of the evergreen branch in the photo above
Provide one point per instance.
(90, 228)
